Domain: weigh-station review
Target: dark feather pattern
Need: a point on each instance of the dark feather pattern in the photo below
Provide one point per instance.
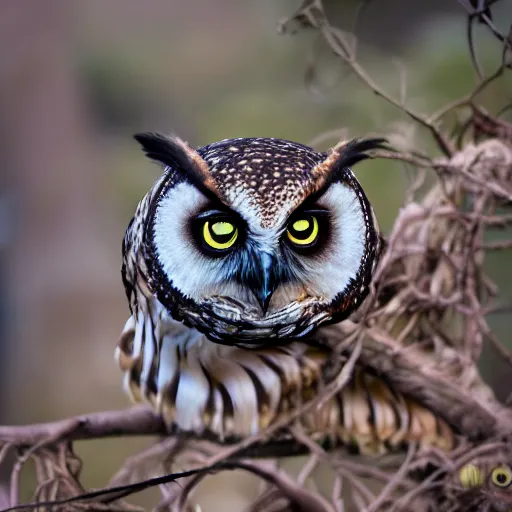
(343, 156)
(356, 150)
(368, 415)
(176, 154)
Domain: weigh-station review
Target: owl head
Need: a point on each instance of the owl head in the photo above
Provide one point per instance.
(256, 240)
(487, 480)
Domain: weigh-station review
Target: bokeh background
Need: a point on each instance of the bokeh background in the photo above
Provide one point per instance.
(77, 79)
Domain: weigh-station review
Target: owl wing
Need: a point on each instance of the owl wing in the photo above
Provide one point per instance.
(127, 267)
(133, 269)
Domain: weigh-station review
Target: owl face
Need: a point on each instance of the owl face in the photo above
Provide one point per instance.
(250, 240)
(488, 481)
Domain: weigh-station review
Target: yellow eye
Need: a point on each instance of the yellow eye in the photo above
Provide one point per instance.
(471, 476)
(220, 235)
(501, 476)
(303, 231)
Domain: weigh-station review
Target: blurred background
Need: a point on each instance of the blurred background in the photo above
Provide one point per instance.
(77, 79)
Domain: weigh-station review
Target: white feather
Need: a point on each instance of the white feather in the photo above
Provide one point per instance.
(341, 261)
(185, 266)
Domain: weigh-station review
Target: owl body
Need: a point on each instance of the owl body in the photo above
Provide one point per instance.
(234, 259)
(227, 393)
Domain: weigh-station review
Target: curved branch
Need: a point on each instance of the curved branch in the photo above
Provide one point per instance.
(139, 420)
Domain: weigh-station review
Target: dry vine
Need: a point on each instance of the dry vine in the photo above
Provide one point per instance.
(423, 328)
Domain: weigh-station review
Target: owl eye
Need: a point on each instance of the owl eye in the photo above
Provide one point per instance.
(501, 476)
(471, 476)
(219, 234)
(303, 231)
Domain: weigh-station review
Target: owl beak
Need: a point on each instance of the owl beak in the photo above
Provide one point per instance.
(266, 283)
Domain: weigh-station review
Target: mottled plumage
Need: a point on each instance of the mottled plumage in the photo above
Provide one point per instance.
(235, 257)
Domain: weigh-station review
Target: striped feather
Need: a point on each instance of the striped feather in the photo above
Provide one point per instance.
(231, 392)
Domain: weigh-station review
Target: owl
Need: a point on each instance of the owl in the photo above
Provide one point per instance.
(485, 483)
(239, 253)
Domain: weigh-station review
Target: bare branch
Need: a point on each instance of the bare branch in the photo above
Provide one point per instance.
(136, 421)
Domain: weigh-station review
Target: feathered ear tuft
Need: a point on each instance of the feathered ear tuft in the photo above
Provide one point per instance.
(175, 153)
(343, 155)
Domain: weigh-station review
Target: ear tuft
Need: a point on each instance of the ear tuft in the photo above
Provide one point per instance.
(176, 154)
(355, 150)
(343, 155)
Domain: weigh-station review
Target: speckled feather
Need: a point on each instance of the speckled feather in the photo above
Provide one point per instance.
(271, 172)
(234, 166)
(278, 175)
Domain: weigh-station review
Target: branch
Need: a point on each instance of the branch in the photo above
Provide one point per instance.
(136, 421)
(410, 369)
(311, 14)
